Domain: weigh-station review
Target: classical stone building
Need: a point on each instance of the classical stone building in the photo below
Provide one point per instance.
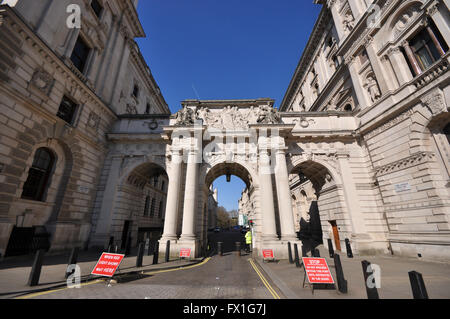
(386, 64)
(89, 149)
(62, 90)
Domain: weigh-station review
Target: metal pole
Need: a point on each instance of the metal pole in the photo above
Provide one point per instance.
(349, 248)
(297, 259)
(342, 283)
(330, 248)
(238, 248)
(156, 253)
(72, 260)
(417, 285)
(219, 248)
(167, 257)
(316, 252)
(33, 280)
(140, 255)
(291, 261)
(372, 292)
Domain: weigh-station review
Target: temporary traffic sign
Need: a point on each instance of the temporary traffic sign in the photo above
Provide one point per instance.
(267, 253)
(317, 271)
(107, 264)
(185, 252)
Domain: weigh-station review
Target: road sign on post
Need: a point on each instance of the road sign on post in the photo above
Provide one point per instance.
(107, 264)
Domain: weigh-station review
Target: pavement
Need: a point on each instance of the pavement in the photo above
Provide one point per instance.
(394, 277)
(15, 271)
(229, 276)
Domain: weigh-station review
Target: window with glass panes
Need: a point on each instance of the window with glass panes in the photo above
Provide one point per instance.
(424, 49)
(80, 54)
(38, 175)
(67, 110)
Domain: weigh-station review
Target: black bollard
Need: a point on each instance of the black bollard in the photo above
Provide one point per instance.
(315, 252)
(72, 260)
(330, 248)
(128, 246)
(417, 285)
(147, 246)
(219, 248)
(297, 259)
(304, 253)
(238, 248)
(33, 280)
(167, 257)
(140, 255)
(372, 292)
(342, 283)
(111, 244)
(291, 260)
(349, 248)
(156, 253)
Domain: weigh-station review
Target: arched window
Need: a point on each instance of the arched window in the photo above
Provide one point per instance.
(39, 175)
(348, 108)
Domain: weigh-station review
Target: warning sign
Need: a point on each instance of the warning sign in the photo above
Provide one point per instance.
(185, 252)
(267, 253)
(317, 271)
(107, 264)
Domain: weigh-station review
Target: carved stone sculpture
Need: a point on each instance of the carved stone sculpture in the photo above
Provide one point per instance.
(186, 116)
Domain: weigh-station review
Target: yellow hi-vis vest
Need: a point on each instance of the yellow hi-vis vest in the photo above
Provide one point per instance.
(248, 237)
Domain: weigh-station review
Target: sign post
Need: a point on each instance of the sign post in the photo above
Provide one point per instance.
(317, 272)
(107, 265)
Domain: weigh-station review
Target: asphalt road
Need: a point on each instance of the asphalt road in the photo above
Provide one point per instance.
(220, 277)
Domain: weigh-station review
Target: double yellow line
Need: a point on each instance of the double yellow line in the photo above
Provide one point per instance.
(264, 280)
(37, 294)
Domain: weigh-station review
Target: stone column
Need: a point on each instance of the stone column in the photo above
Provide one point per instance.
(188, 227)
(376, 66)
(435, 41)
(354, 74)
(412, 59)
(284, 197)
(173, 198)
(439, 18)
(267, 202)
(398, 60)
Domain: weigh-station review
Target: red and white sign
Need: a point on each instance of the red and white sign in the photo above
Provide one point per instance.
(107, 264)
(317, 271)
(185, 252)
(267, 253)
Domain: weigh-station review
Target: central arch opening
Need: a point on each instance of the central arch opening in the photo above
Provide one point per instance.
(225, 186)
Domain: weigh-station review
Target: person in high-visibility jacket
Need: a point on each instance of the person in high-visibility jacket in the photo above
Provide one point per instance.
(248, 240)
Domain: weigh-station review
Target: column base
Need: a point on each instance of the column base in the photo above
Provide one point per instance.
(280, 248)
(176, 245)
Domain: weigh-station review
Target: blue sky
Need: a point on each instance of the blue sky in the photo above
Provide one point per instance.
(224, 49)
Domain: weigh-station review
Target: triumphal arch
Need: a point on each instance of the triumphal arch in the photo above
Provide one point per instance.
(249, 139)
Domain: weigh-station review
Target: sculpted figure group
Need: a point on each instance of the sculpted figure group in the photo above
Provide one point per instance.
(230, 118)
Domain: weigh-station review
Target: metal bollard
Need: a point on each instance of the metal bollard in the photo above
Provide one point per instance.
(417, 285)
(372, 293)
(147, 246)
(291, 261)
(156, 253)
(349, 248)
(330, 248)
(297, 259)
(128, 246)
(315, 252)
(342, 283)
(110, 244)
(304, 253)
(72, 260)
(140, 255)
(35, 273)
(238, 248)
(167, 257)
(219, 248)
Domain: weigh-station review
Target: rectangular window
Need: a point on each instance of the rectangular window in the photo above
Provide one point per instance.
(160, 209)
(80, 54)
(67, 110)
(147, 206)
(152, 209)
(96, 6)
(424, 49)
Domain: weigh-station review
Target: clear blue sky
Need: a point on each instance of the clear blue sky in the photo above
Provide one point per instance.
(224, 49)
